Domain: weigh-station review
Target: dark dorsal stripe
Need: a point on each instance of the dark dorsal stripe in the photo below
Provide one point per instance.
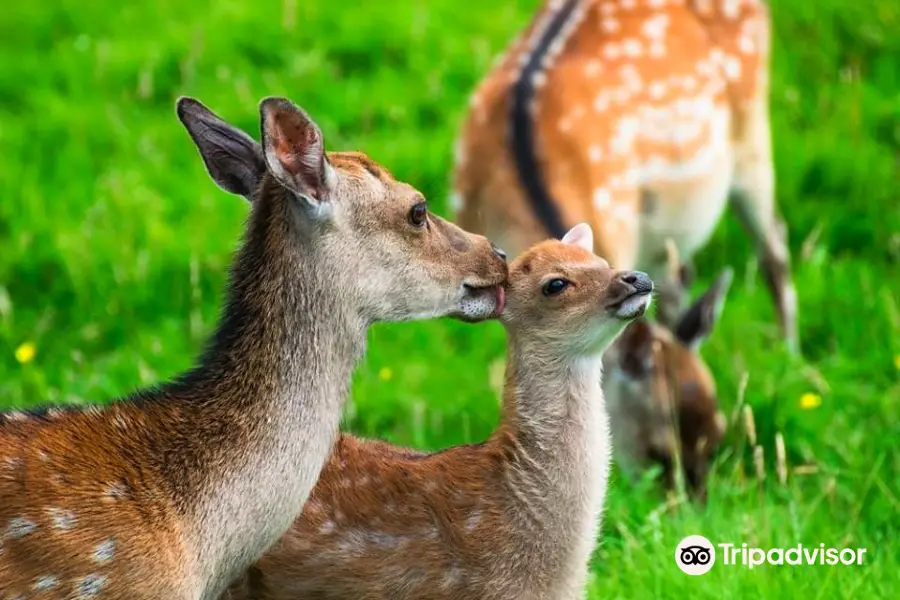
(522, 129)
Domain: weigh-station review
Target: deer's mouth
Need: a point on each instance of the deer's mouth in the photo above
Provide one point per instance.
(481, 302)
(631, 306)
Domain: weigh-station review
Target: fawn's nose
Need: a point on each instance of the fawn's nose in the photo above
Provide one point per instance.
(499, 252)
(639, 280)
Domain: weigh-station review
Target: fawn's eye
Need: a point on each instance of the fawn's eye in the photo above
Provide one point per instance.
(555, 286)
(418, 214)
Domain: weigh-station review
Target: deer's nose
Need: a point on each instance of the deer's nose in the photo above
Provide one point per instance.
(639, 280)
(501, 254)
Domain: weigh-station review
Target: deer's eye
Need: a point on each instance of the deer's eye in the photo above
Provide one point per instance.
(418, 214)
(554, 287)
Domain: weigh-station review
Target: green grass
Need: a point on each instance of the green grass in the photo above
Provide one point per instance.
(114, 245)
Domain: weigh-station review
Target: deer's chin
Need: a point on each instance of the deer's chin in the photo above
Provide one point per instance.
(480, 303)
(632, 307)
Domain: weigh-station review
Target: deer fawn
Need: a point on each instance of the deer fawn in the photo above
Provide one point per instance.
(661, 396)
(514, 517)
(173, 492)
(638, 116)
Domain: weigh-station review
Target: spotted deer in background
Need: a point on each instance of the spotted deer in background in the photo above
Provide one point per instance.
(512, 518)
(641, 117)
(171, 493)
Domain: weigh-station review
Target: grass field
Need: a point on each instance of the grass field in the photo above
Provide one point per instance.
(114, 245)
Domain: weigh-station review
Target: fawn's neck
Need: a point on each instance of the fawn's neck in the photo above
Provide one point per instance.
(554, 424)
(269, 394)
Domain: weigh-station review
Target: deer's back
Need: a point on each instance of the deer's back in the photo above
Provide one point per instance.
(634, 117)
(75, 523)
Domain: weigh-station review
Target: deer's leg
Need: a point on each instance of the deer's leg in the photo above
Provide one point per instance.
(754, 201)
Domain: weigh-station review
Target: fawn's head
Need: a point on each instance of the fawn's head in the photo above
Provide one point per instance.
(563, 296)
(383, 247)
(659, 373)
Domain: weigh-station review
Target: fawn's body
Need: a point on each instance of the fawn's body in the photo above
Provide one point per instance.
(174, 491)
(512, 518)
(640, 117)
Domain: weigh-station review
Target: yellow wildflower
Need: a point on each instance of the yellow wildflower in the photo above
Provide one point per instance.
(25, 353)
(897, 362)
(385, 374)
(809, 401)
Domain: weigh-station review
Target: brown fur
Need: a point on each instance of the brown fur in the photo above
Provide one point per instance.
(644, 116)
(174, 491)
(512, 518)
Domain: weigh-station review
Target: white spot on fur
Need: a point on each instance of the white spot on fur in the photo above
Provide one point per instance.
(565, 125)
(14, 415)
(45, 582)
(595, 153)
(608, 8)
(732, 68)
(731, 8)
(105, 550)
(459, 151)
(117, 491)
(657, 50)
(657, 90)
(19, 527)
(655, 28)
(656, 3)
(746, 44)
(611, 25)
(539, 79)
(327, 527)
(628, 4)
(632, 47)
(592, 69)
(473, 520)
(601, 102)
(452, 577)
(456, 201)
(90, 586)
(602, 198)
(62, 519)
(611, 51)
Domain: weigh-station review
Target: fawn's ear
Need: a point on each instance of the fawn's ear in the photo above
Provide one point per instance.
(580, 235)
(698, 321)
(232, 158)
(294, 150)
(635, 350)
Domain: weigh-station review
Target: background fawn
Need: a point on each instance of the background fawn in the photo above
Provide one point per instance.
(514, 517)
(174, 491)
(662, 397)
(638, 116)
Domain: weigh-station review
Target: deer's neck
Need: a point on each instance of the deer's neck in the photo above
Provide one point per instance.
(554, 424)
(265, 404)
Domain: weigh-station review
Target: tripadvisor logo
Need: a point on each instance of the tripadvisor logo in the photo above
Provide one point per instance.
(696, 555)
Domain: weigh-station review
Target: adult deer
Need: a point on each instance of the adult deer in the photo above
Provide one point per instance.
(173, 492)
(512, 518)
(638, 116)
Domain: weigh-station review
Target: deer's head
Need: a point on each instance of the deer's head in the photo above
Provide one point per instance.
(396, 260)
(562, 296)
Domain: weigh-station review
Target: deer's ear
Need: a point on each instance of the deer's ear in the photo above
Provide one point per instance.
(294, 150)
(581, 235)
(698, 321)
(232, 158)
(635, 350)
